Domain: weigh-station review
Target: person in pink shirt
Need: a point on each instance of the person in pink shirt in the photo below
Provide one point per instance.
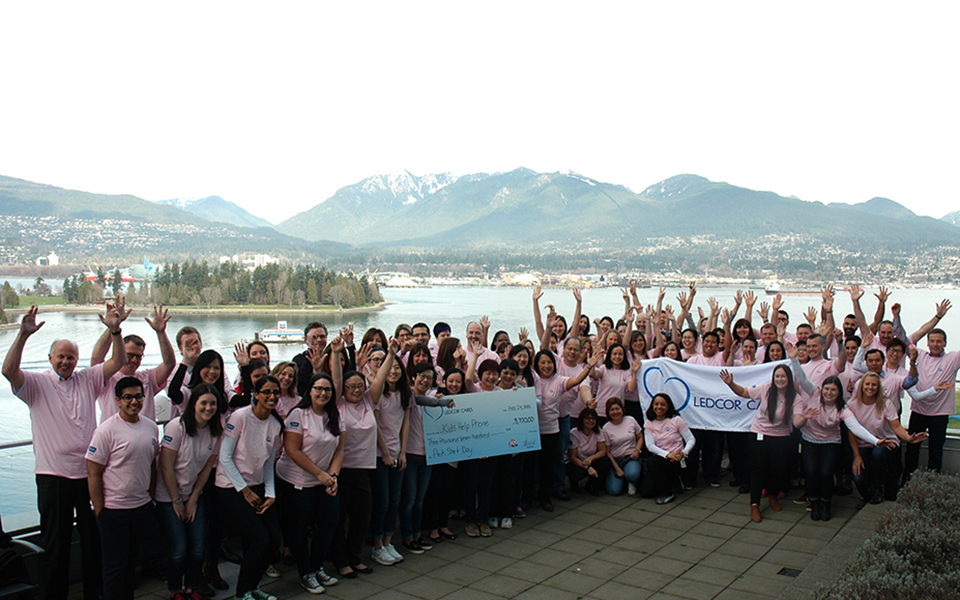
(154, 380)
(587, 450)
(307, 475)
(772, 426)
(188, 454)
(62, 404)
(475, 333)
(121, 472)
(286, 374)
(614, 377)
(932, 415)
(669, 441)
(709, 446)
(876, 413)
(246, 484)
(623, 437)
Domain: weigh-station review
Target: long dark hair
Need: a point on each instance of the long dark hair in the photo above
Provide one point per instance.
(536, 362)
(420, 349)
(737, 324)
(772, 395)
(671, 410)
(766, 354)
(333, 413)
(259, 386)
(526, 374)
(463, 378)
(206, 357)
(402, 385)
(589, 412)
(608, 362)
(189, 415)
(837, 382)
(445, 353)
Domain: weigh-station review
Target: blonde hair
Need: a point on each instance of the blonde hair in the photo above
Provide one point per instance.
(881, 395)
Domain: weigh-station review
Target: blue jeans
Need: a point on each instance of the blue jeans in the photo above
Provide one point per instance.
(387, 482)
(876, 476)
(416, 479)
(631, 473)
(819, 463)
(183, 571)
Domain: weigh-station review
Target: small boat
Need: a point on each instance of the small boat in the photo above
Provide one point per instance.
(281, 335)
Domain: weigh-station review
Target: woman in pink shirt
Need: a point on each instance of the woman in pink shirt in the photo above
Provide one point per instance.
(614, 377)
(669, 441)
(307, 474)
(246, 486)
(286, 374)
(623, 437)
(771, 446)
(587, 450)
(187, 456)
(878, 415)
(443, 477)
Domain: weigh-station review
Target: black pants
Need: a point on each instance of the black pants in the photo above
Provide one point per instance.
(936, 428)
(769, 459)
(261, 534)
(306, 507)
(709, 450)
(439, 499)
(664, 473)
(819, 463)
(548, 455)
(121, 533)
(356, 504)
(738, 448)
(577, 474)
(477, 487)
(57, 500)
(504, 486)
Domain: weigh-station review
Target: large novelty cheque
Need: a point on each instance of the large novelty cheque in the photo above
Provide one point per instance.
(482, 424)
(702, 398)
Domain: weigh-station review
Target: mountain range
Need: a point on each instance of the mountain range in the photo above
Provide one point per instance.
(215, 208)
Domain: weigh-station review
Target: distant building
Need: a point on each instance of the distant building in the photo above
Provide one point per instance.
(51, 260)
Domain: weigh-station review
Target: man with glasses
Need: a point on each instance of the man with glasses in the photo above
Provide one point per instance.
(121, 468)
(62, 404)
(308, 361)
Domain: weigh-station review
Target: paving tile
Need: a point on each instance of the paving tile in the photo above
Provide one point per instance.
(701, 572)
(690, 512)
(458, 573)
(642, 545)
(743, 549)
(678, 551)
(471, 594)
(690, 588)
(811, 531)
(423, 564)
(716, 530)
(770, 586)
(596, 567)
(530, 571)
(727, 562)
(637, 516)
(736, 519)
(392, 594)
(544, 592)
(600, 536)
(513, 549)
(612, 590)
(772, 526)
(428, 588)
(501, 585)
(675, 523)
(732, 594)
(356, 590)
(564, 528)
(645, 579)
(620, 556)
(696, 540)
(760, 538)
(664, 565)
(578, 546)
(789, 558)
(659, 534)
(800, 544)
(601, 508)
(575, 581)
(489, 561)
(554, 558)
(537, 537)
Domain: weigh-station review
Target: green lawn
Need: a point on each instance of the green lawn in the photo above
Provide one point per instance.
(26, 301)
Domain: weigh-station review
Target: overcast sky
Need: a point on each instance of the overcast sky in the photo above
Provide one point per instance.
(274, 106)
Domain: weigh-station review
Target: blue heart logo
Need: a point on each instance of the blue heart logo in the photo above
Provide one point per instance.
(663, 385)
(427, 411)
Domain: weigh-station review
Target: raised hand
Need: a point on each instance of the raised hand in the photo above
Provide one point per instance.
(764, 311)
(625, 294)
(337, 344)
(726, 316)
(633, 287)
(160, 318)
(883, 295)
(661, 294)
(121, 306)
(240, 354)
(827, 292)
(791, 350)
(777, 305)
(895, 310)
(576, 295)
(393, 345)
(29, 325)
(714, 306)
(363, 356)
(827, 302)
(726, 376)
(738, 297)
(485, 322)
(524, 334)
(942, 308)
(811, 413)
(855, 293)
(750, 298)
(112, 318)
(682, 299)
(476, 347)
(347, 334)
(811, 316)
(596, 358)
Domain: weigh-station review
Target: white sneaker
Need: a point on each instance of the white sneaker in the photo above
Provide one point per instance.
(397, 557)
(324, 579)
(631, 489)
(383, 556)
(506, 523)
(310, 583)
(492, 521)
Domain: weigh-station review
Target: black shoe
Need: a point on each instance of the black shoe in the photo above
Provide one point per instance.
(816, 512)
(825, 510)
(744, 489)
(212, 574)
(425, 542)
(547, 506)
(562, 495)
(877, 498)
(735, 483)
(230, 556)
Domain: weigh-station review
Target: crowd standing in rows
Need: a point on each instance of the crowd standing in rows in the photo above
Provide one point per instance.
(313, 455)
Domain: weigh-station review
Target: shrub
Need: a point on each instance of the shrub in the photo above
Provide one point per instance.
(915, 553)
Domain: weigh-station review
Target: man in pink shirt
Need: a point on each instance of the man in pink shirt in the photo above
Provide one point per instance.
(121, 469)
(62, 405)
(475, 333)
(709, 443)
(932, 415)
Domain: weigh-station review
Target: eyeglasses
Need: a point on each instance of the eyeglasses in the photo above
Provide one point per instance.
(355, 386)
(322, 389)
(131, 355)
(129, 398)
(378, 359)
(269, 392)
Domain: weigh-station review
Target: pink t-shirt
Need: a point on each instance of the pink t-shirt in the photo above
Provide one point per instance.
(584, 443)
(193, 452)
(612, 383)
(486, 354)
(621, 440)
(876, 423)
(932, 370)
(825, 427)
(548, 410)
(389, 412)
(62, 417)
(318, 445)
(817, 371)
(127, 451)
(783, 424)
(849, 374)
(708, 361)
(286, 404)
(360, 427)
(570, 399)
(108, 398)
(668, 433)
(257, 442)
(415, 443)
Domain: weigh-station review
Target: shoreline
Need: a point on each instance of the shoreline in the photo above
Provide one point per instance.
(190, 310)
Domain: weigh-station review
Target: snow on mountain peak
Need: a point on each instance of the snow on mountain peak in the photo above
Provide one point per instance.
(407, 186)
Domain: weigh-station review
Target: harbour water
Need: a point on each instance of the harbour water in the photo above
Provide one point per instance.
(509, 308)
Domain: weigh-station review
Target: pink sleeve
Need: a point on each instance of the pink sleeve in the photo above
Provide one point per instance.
(173, 435)
(234, 426)
(97, 451)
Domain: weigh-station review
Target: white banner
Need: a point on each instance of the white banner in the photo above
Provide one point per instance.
(702, 398)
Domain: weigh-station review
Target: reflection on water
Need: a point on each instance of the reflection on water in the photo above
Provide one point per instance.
(508, 308)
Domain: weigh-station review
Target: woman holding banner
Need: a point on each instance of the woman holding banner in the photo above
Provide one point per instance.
(770, 449)
(669, 440)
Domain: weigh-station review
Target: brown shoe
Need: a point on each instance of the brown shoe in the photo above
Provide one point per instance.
(755, 513)
(774, 503)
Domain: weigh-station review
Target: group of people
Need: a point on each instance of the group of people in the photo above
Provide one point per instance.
(312, 456)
